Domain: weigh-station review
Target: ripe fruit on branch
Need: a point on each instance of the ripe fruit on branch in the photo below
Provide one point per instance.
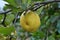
(30, 21)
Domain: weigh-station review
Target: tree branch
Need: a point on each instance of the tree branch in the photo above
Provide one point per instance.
(33, 5)
(46, 2)
(4, 20)
(42, 4)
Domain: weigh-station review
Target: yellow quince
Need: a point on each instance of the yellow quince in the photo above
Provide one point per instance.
(30, 21)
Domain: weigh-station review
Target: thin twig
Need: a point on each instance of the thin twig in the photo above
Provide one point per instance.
(15, 19)
(38, 7)
(46, 36)
(6, 12)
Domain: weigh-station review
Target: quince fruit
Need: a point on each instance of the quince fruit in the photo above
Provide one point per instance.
(30, 21)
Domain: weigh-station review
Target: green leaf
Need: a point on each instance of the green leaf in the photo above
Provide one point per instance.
(38, 34)
(51, 38)
(42, 26)
(51, 11)
(53, 18)
(48, 22)
(46, 18)
(19, 2)
(39, 10)
(9, 19)
(25, 4)
(58, 26)
(9, 7)
(29, 2)
(6, 30)
(1, 18)
(11, 2)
